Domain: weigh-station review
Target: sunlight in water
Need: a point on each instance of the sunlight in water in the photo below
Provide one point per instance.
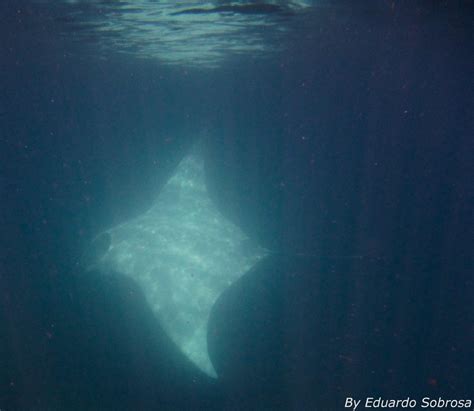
(193, 33)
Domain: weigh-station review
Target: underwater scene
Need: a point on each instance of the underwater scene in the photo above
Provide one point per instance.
(236, 205)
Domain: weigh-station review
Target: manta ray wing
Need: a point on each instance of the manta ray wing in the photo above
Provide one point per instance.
(183, 254)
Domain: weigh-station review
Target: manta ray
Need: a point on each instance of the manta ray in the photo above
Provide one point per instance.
(183, 253)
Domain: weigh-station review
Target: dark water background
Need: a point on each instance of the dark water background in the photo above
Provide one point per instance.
(354, 142)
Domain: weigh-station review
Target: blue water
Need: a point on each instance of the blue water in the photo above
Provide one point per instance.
(345, 149)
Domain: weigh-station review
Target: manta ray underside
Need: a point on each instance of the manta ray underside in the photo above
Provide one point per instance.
(183, 254)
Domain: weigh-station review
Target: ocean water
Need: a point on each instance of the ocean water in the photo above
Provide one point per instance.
(235, 205)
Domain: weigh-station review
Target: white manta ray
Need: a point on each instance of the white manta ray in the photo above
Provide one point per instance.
(183, 254)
